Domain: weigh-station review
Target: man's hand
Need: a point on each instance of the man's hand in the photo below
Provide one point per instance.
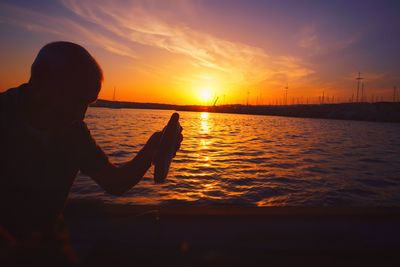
(117, 180)
(153, 144)
(180, 139)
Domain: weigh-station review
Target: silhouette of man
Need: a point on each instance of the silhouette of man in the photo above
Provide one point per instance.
(45, 142)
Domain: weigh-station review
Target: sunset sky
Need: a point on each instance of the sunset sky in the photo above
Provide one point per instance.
(189, 52)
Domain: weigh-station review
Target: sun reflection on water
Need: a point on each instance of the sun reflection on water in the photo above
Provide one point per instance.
(258, 160)
(205, 129)
(204, 123)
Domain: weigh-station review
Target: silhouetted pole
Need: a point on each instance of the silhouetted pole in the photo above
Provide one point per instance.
(359, 78)
(215, 101)
(286, 92)
(114, 94)
(394, 93)
(362, 92)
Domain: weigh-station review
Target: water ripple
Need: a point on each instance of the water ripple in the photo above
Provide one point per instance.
(254, 160)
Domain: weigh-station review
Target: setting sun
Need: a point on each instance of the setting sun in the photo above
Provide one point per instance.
(166, 56)
(205, 94)
(145, 132)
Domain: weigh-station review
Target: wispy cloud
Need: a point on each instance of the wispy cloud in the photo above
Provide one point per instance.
(311, 38)
(138, 23)
(120, 26)
(308, 39)
(62, 27)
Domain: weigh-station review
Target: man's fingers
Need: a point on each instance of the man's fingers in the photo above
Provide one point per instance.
(180, 139)
(156, 136)
(178, 145)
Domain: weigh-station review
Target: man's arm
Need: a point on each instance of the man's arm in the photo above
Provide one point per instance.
(116, 180)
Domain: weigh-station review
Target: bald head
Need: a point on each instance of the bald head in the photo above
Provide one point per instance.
(64, 80)
(64, 62)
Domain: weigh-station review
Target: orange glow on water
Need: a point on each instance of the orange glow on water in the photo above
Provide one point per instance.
(258, 160)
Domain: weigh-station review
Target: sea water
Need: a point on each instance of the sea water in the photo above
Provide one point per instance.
(254, 160)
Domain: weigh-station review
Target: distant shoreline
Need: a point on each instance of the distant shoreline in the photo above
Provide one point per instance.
(378, 112)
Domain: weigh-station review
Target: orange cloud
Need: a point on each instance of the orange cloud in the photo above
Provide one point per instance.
(136, 24)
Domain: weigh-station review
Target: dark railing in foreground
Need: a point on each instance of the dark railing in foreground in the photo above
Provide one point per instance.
(219, 235)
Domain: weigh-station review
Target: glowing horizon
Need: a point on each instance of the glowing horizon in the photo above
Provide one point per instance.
(195, 52)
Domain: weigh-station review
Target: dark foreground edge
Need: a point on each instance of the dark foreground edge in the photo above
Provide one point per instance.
(120, 235)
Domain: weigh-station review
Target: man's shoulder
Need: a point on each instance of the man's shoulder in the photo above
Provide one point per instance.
(9, 101)
(13, 90)
(10, 96)
(8, 93)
